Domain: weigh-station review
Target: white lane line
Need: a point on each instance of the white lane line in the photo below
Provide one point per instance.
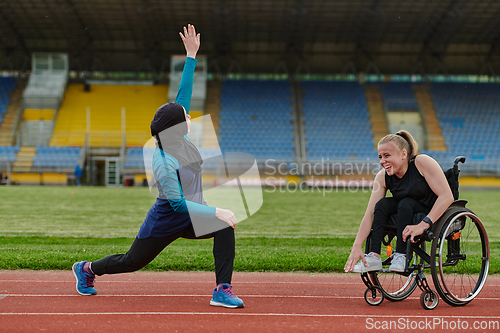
(187, 295)
(208, 282)
(3, 296)
(205, 295)
(236, 314)
(183, 281)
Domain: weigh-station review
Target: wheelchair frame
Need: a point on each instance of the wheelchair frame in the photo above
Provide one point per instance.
(446, 231)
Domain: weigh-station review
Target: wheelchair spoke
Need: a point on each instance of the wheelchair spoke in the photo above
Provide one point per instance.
(462, 268)
(396, 287)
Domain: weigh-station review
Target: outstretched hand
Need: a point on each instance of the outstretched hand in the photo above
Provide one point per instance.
(191, 40)
(356, 255)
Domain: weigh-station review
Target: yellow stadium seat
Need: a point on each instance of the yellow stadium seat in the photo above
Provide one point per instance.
(139, 179)
(54, 178)
(26, 178)
(195, 116)
(39, 114)
(105, 103)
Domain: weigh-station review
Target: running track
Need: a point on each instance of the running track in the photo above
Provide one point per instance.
(46, 301)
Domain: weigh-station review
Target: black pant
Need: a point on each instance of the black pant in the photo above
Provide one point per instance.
(143, 251)
(384, 208)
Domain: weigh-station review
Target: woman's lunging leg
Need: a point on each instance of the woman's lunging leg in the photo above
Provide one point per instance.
(141, 253)
(224, 252)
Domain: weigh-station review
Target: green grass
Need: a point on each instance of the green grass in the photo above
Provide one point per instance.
(119, 212)
(253, 254)
(51, 227)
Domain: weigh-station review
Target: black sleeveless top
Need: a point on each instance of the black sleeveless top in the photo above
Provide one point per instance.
(411, 185)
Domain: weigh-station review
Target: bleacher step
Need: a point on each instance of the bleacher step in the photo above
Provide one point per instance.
(6, 127)
(376, 110)
(212, 107)
(435, 133)
(24, 159)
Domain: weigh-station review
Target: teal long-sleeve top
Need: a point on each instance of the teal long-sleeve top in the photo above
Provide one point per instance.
(180, 190)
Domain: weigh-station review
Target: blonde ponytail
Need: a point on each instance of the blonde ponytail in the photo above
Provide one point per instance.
(402, 140)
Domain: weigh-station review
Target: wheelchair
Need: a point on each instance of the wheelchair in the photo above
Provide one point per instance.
(459, 258)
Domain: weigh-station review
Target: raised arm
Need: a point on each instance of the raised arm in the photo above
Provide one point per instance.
(191, 42)
(378, 192)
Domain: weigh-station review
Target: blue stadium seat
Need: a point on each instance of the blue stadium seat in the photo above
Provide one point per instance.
(399, 96)
(6, 86)
(56, 157)
(256, 118)
(468, 114)
(7, 154)
(336, 120)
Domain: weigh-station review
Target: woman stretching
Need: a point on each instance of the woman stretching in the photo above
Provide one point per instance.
(176, 161)
(417, 184)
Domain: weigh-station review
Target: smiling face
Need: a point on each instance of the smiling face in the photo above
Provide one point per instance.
(393, 159)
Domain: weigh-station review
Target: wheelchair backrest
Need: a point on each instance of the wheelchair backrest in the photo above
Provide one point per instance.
(452, 176)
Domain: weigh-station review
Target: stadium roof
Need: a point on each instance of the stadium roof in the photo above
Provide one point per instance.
(322, 36)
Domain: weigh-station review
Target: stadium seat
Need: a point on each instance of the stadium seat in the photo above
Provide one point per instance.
(399, 96)
(7, 84)
(468, 114)
(56, 157)
(336, 121)
(255, 117)
(105, 103)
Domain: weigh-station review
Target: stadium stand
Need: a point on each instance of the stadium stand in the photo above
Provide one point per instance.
(402, 110)
(10, 99)
(38, 114)
(47, 81)
(212, 107)
(470, 121)
(46, 178)
(105, 103)
(8, 153)
(134, 164)
(434, 131)
(255, 117)
(40, 165)
(399, 96)
(341, 121)
(46, 87)
(134, 158)
(56, 157)
(336, 121)
(24, 159)
(7, 84)
(376, 111)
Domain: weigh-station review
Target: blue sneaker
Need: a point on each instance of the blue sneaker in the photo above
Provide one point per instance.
(226, 298)
(84, 281)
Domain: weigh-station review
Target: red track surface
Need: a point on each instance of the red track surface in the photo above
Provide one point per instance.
(179, 302)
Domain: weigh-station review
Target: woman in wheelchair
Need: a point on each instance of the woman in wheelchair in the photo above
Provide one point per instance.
(417, 184)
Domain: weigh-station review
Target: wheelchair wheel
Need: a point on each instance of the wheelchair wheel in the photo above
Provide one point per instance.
(462, 252)
(396, 287)
(429, 300)
(374, 296)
